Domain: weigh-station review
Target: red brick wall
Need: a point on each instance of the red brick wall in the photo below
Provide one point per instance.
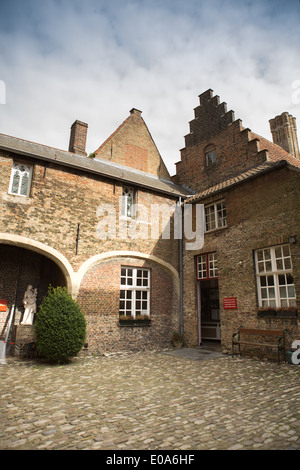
(99, 297)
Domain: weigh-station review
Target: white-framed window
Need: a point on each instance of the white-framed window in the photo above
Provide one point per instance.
(207, 266)
(274, 272)
(20, 179)
(134, 292)
(128, 200)
(215, 216)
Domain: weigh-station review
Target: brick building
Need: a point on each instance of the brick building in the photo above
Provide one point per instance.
(74, 220)
(103, 225)
(248, 270)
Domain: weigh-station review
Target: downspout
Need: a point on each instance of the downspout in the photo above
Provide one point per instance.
(181, 269)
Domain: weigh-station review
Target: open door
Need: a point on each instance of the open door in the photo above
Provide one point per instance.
(208, 298)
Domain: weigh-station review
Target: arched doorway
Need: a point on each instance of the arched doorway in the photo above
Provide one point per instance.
(20, 267)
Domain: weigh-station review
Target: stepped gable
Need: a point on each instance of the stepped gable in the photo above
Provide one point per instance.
(211, 117)
(235, 148)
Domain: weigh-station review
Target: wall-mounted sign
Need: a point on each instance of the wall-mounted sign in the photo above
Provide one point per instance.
(3, 305)
(230, 303)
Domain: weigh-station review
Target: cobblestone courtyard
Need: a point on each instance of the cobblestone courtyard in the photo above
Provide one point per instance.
(150, 400)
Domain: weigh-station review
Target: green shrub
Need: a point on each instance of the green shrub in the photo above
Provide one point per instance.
(60, 326)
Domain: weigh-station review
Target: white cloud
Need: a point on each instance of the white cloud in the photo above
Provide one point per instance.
(95, 60)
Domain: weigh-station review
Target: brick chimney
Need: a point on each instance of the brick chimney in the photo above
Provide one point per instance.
(135, 112)
(284, 133)
(78, 137)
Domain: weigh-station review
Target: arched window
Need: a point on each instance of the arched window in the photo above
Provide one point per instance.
(20, 179)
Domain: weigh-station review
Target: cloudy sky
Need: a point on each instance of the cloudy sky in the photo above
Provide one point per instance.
(94, 60)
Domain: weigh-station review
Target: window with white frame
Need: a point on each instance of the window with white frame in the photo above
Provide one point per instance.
(128, 200)
(20, 179)
(134, 292)
(275, 282)
(207, 266)
(215, 216)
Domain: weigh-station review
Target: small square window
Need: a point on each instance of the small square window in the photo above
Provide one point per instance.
(215, 216)
(207, 266)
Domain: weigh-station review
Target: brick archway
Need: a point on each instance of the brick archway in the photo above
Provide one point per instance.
(35, 246)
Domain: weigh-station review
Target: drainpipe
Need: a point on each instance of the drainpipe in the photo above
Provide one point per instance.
(181, 268)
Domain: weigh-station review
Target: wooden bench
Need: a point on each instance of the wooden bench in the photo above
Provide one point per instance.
(244, 335)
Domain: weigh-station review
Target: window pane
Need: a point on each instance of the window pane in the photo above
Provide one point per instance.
(291, 291)
(271, 293)
(279, 264)
(282, 292)
(263, 281)
(260, 255)
(24, 185)
(268, 266)
(15, 184)
(267, 254)
(261, 267)
(264, 293)
(287, 263)
(278, 252)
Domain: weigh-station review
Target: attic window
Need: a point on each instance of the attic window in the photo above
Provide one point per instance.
(211, 158)
(210, 155)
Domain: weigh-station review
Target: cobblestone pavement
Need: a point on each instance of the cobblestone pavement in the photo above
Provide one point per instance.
(150, 401)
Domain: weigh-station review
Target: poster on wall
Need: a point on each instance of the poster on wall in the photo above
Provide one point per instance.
(230, 303)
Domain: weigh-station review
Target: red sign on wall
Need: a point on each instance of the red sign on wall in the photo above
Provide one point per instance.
(3, 305)
(230, 303)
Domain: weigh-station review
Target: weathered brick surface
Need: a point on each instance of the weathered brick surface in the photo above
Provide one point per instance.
(133, 146)
(260, 213)
(99, 296)
(61, 200)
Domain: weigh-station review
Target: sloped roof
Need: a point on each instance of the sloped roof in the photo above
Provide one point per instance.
(275, 152)
(95, 166)
(259, 170)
